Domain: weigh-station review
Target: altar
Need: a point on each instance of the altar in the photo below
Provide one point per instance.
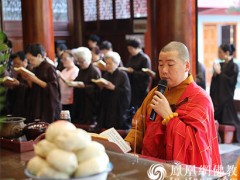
(125, 166)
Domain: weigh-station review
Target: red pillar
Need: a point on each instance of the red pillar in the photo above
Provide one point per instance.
(37, 23)
(171, 20)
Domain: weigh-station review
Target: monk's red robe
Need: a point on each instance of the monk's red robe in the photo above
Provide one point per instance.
(190, 138)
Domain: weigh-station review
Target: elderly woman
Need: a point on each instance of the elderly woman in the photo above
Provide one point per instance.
(115, 96)
(69, 73)
(85, 98)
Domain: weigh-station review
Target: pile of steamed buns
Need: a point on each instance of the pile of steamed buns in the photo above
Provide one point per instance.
(67, 152)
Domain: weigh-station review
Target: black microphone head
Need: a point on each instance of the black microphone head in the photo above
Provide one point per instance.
(162, 85)
(163, 82)
(161, 88)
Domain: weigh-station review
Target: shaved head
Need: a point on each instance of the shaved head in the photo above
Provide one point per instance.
(182, 50)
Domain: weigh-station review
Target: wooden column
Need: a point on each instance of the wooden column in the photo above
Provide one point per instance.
(171, 20)
(37, 23)
(77, 24)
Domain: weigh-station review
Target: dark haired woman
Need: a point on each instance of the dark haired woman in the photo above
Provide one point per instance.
(17, 88)
(44, 91)
(222, 88)
(139, 80)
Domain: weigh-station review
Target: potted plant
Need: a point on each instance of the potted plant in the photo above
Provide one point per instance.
(4, 57)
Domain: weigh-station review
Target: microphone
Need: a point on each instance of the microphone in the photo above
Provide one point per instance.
(161, 88)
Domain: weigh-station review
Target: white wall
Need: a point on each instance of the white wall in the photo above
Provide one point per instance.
(216, 3)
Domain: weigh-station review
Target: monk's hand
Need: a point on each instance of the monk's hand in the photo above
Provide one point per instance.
(110, 86)
(160, 105)
(81, 85)
(130, 70)
(217, 68)
(11, 84)
(15, 82)
(34, 79)
(27, 78)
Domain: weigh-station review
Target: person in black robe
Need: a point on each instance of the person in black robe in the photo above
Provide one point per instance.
(222, 88)
(115, 96)
(105, 47)
(44, 91)
(93, 41)
(17, 89)
(139, 80)
(85, 98)
(201, 76)
(60, 49)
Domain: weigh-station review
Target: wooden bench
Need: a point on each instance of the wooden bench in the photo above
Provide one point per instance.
(226, 133)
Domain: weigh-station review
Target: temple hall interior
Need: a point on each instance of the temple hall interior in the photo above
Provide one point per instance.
(123, 44)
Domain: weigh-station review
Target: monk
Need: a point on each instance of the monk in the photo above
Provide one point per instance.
(115, 96)
(184, 128)
(222, 88)
(139, 80)
(44, 92)
(17, 89)
(85, 97)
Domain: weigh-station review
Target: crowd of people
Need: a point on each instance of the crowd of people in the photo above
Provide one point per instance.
(184, 128)
(51, 89)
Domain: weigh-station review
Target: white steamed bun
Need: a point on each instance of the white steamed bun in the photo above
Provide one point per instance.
(92, 166)
(49, 172)
(58, 127)
(63, 161)
(67, 152)
(36, 164)
(44, 147)
(73, 140)
(92, 150)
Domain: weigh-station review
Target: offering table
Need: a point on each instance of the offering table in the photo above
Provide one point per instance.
(125, 166)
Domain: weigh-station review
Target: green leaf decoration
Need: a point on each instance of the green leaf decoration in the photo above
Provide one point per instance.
(2, 90)
(2, 69)
(4, 56)
(3, 37)
(3, 47)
